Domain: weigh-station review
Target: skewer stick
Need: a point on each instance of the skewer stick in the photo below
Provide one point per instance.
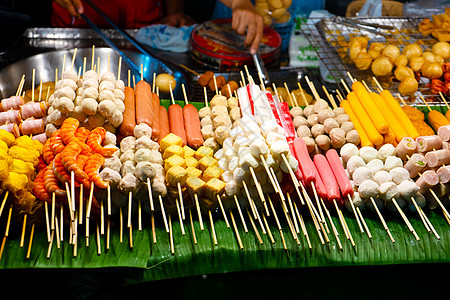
(241, 246)
(73, 58)
(408, 224)
(180, 194)
(442, 97)
(97, 238)
(47, 221)
(179, 217)
(192, 227)
(108, 232)
(98, 66)
(350, 76)
(108, 199)
(280, 229)
(6, 232)
(49, 251)
(223, 211)
(364, 222)
(4, 202)
(302, 92)
(336, 233)
(206, 96)
(163, 213)
(30, 243)
(84, 65)
(312, 88)
(108, 62)
(252, 206)
(429, 223)
(382, 220)
(172, 247)
(254, 227)
(269, 233)
(259, 190)
(294, 217)
(345, 224)
(40, 87)
(93, 57)
(243, 78)
(24, 226)
(119, 68)
(290, 96)
(154, 83)
(213, 231)
(420, 215)
(302, 225)
(330, 97)
(142, 72)
(120, 224)
(19, 88)
(355, 213)
(150, 194)
(199, 212)
(64, 65)
(444, 210)
(130, 200)
(61, 223)
(319, 208)
(190, 70)
(345, 86)
(58, 237)
(130, 230)
(240, 214)
(32, 84)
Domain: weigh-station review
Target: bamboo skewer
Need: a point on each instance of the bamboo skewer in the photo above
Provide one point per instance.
(240, 214)
(382, 220)
(192, 227)
(336, 233)
(408, 224)
(255, 229)
(241, 246)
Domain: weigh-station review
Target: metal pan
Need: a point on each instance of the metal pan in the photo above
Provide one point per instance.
(45, 64)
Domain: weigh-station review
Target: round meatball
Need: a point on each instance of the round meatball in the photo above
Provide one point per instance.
(89, 106)
(329, 124)
(106, 108)
(337, 136)
(296, 111)
(368, 189)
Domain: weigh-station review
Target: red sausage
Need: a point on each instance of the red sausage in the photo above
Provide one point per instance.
(320, 187)
(305, 162)
(129, 115)
(176, 122)
(339, 173)
(192, 126)
(288, 125)
(298, 174)
(144, 104)
(163, 123)
(327, 176)
(156, 129)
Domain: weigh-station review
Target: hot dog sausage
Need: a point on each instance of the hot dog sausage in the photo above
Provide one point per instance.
(144, 104)
(372, 110)
(192, 126)
(428, 143)
(320, 187)
(444, 133)
(163, 123)
(393, 122)
(438, 158)
(156, 129)
(444, 174)
(176, 122)
(305, 162)
(286, 120)
(365, 141)
(339, 172)
(328, 179)
(415, 164)
(427, 180)
(129, 115)
(406, 147)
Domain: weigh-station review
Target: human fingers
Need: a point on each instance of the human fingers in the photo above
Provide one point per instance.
(258, 35)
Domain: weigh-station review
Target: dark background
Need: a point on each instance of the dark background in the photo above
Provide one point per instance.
(421, 281)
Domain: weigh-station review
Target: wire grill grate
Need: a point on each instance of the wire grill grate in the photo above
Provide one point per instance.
(330, 37)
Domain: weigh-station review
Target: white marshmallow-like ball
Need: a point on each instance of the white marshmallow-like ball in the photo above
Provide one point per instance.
(368, 153)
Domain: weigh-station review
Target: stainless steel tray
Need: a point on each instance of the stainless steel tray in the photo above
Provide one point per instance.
(45, 64)
(330, 37)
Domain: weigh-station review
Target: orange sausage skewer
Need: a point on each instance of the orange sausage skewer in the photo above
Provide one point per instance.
(176, 119)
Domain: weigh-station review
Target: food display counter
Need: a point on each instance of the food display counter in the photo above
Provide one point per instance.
(174, 170)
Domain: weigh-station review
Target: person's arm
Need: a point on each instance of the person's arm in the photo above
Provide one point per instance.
(74, 7)
(174, 14)
(246, 18)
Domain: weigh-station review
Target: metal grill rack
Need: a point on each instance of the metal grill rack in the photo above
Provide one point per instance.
(330, 37)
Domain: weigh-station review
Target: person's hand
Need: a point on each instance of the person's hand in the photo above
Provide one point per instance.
(74, 7)
(246, 18)
(178, 20)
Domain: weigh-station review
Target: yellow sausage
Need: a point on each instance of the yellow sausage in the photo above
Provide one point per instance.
(394, 123)
(362, 134)
(374, 136)
(389, 138)
(372, 110)
(400, 114)
(437, 119)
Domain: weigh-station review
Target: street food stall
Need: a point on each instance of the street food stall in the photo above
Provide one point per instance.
(166, 165)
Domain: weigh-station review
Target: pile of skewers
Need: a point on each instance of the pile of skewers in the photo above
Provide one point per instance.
(244, 151)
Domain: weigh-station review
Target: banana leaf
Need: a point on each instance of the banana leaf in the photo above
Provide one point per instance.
(147, 261)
